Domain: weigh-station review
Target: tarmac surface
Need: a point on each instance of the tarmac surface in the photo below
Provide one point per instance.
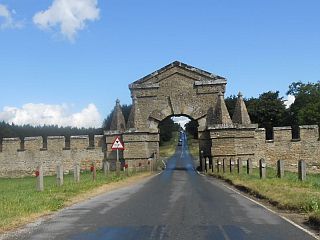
(175, 204)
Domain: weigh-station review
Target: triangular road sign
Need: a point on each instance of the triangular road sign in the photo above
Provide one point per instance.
(117, 144)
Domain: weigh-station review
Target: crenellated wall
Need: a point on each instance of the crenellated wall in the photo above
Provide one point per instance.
(251, 143)
(20, 158)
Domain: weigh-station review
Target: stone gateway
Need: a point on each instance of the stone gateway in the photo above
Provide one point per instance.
(182, 90)
(174, 90)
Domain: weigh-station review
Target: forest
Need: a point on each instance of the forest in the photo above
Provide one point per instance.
(268, 110)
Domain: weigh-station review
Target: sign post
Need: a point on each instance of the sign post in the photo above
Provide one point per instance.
(117, 145)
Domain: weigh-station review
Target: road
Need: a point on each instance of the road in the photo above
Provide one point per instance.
(176, 204)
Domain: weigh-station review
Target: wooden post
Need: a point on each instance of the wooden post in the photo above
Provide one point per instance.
(231, 165)
(239, 165)
(224, 165)
(280, 168)
(203, 161)
(212, 165)
(262, 168)
(59, 178)
(302, 170)
(106, 168)
(76, 173)
(249, 166)
(118, 166)
(39, 174)
(218, 165)
(94, 172)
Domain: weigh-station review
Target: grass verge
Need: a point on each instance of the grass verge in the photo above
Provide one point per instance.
(21, 203)
(287, 193)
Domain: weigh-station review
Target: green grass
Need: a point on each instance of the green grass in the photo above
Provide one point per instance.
(19, 200)
(287, 193)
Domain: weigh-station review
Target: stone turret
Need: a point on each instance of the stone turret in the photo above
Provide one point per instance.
(240, 114)
(118, 123)
(221, 114)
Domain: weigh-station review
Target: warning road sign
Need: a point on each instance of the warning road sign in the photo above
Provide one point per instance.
(117, 144)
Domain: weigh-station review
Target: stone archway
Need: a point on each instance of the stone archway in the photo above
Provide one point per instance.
(176, 89)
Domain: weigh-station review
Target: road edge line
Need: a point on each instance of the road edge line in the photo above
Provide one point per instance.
(274, 212)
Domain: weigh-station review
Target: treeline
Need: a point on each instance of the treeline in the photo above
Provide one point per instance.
(11, 130)
(268, 110)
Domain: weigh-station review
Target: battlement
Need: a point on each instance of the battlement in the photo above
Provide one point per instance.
(21, 156)
(10, 145)
(285, 134)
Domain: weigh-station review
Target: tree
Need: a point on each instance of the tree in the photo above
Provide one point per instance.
(166, 128)
(192, 128)
(231, 103)
(306, 107)
(268, 111)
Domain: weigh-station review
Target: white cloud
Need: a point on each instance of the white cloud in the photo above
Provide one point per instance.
(40, 114)
(6, 18)
(69, 15)
(182, 121)
(289, 101)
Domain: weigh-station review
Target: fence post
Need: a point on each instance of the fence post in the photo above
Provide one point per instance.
(249, 166)
(231, 165)
(212, 164)
(118, 166)
(94, 171)
(203, 161)
(224, 165)
(302, 170)
(218, 165)
(239, 165)
(105, 168)
(59, 175)
(280, 168)
(76, 173)
(262, 168)
(39, 175)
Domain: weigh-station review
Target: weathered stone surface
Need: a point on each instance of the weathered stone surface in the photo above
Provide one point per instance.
(14, 163)
(220, 114)
(240, 114)
(118, 122)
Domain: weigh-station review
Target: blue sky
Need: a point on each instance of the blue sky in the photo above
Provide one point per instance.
(105, 45)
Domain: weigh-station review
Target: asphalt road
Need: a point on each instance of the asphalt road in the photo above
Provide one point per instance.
(176, 204)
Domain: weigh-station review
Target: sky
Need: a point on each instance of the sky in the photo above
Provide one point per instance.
(67, 61)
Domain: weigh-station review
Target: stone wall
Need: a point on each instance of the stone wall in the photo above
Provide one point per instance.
(251, 143)
(20, 158)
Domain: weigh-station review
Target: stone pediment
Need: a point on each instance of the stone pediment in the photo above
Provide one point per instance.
(200, 77)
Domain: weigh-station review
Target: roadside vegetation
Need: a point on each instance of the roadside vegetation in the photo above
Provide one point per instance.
(287, 193)
(21, 203)
(193, 145)
(168, 148)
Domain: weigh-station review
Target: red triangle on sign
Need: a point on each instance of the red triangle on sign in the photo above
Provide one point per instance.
(117, 144)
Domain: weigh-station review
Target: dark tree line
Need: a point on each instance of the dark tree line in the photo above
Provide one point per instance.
(268, 110)
(11, 130)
